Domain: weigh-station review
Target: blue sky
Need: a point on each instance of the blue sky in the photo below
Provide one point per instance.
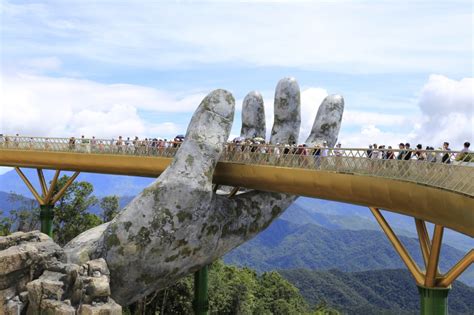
(109, 68)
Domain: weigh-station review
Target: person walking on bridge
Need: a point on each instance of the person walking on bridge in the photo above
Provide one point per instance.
(401, 153)
(447, 156)
(465, 155)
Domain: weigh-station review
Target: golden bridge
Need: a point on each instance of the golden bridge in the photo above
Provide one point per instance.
(439, 188)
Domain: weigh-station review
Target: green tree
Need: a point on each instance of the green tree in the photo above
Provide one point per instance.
(110, 207)
(25, 217)
(5, 224)
(279, 296)
(232, 291)
(71, 216)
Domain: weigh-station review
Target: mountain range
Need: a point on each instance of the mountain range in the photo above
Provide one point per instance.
(312, 239)
(285, 245)
(391, 291)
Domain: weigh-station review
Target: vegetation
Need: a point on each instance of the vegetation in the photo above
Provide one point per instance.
(371, 292)
(285, 245)
(110, 207)
(232, 290)
(72, 213)
(25, 216)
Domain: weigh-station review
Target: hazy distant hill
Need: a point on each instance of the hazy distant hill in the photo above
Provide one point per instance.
(337, 215)
(104, 185)
(285, 245)
(371, 292)
(6, 204)
(328, 214)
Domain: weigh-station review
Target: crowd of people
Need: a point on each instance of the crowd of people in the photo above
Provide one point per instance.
(374, 151)
(405, 152)
(154, 146)
(122, 145)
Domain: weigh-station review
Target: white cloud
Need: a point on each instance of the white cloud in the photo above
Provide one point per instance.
(447, 108)
(445, 114)
(46, 106)
(41, 64)
(339, 37)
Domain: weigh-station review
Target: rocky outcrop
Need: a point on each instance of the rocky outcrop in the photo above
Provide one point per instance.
(35, 279)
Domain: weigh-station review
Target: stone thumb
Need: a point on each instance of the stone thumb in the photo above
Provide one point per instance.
(204, 141)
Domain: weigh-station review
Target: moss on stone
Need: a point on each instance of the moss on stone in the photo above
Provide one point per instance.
(142, 238)
(171, 258)
(112, 240)
(190, 160)
(183, 215)
(276, 210)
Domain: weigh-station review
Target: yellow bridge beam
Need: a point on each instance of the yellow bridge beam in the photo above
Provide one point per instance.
(412, 199)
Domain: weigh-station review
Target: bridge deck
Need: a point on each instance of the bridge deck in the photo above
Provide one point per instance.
(440, 193)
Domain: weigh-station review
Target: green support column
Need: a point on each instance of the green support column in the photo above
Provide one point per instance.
(201, 297)
(46, 218)
(434, 301)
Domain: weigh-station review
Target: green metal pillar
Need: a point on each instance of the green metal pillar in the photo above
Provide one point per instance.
(46, 218)
(434, 301)
(201, 296)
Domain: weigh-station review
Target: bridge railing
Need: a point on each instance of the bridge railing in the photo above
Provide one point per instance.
(451, 170)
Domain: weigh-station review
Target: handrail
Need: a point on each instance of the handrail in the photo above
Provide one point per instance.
(449, 170)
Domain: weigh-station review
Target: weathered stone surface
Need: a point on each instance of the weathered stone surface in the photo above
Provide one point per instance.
(253, 116)
(24, 257)
(287, 110)
(20, 251)
(109, 308)
(53, 307)
(48, 285)
(14, 306)
(177, 224)
(84, 246)
(328, 122)
(97, 265)
(96, 288)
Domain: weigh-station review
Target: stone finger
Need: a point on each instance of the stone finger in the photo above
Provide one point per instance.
(253, 116)
(287, 107)
(327, 122)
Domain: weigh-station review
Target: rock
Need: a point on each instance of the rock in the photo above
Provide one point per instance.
(96, 288)
(6, 295)
(35, 277)
(14, 306)
(24, 256)
(109, 308)
(54, 307)
(97, 265)
(23, 296)
(35, 294)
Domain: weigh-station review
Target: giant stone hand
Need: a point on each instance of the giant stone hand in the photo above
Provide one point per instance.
(178, 224)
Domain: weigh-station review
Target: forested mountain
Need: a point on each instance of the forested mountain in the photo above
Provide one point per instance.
(104, 185)
(285, 245)
(371, 292)
(329, 214)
